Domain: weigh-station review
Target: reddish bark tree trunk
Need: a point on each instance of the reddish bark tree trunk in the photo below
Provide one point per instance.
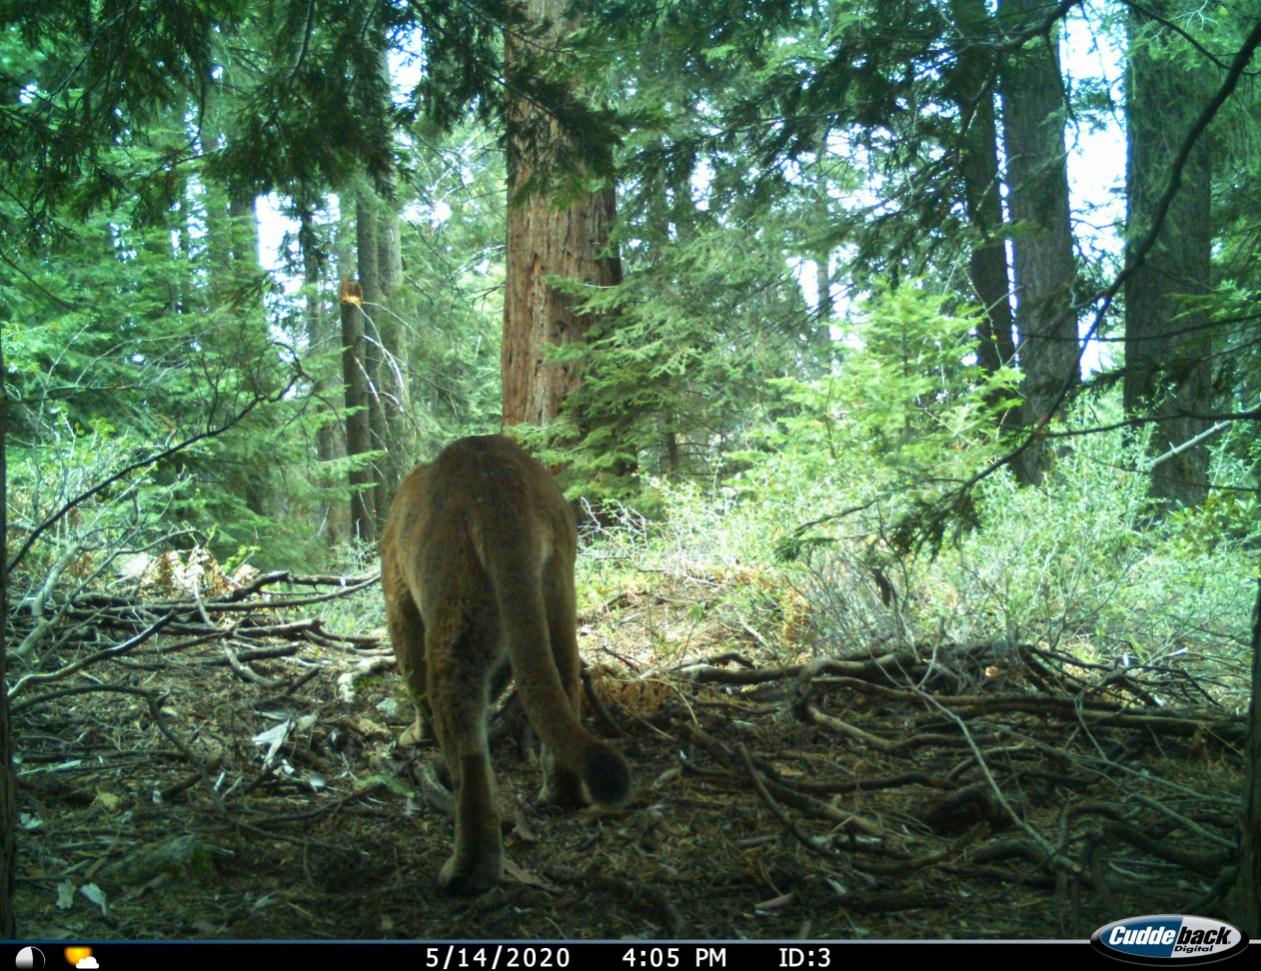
(544, 241)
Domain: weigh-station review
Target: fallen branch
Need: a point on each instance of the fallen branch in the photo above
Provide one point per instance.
(247, 673)
(755, 777)
(65, 672)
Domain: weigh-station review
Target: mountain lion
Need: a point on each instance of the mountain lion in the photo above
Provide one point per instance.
(477, 562)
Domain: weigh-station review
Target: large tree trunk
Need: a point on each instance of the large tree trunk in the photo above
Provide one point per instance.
(972, 87)
(243, 226)
(363, 517)
(1245, 900)
(1167, 347)
(8, 794)
(544, 241)
(1037, 197)
(370, 312)
(380, 274)
(395, 400)
(238, 313)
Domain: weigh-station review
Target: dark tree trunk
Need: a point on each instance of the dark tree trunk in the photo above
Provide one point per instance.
(8, 784)
(824, 305)
(231, 223)
(1167, 347)
(370, 312)
(381, 274)
(1037, 197)
(363, 518)
(544, 241)
(973, 88)
(1245, 900)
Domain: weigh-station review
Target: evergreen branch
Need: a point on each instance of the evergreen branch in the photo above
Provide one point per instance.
(1168, 24)
(142, 463)
(306, 41)
(65, 305)
(1139, 254)
(1218, 324)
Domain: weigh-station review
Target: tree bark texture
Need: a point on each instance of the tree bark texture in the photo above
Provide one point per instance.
(1037, 198)
(379, 245)
(363, 518)
(8, 783)
(370, 310)
(1167, 347)
(383, 300)
(973, 89)
(1245, 898)
(545, 240)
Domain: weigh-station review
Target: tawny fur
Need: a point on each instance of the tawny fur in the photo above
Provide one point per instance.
(477, 563)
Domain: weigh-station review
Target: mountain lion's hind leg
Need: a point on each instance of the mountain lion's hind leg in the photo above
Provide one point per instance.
(407, 633)
(459, 707)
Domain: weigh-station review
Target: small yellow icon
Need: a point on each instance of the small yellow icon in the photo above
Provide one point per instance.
(80, 957)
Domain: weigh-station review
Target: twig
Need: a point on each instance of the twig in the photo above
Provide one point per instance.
(598, 706)
(755, 777)
(252, 654)
(928, 859)
(1190, 443)
(247, 673)
(148, 460)
(1228, 844)
(1204, 864)
(40, 677)
(703, 674)
(1052, 854)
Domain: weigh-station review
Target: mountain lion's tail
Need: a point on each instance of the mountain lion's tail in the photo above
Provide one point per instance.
(514, 571)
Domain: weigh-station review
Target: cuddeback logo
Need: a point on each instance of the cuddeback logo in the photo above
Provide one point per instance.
(1169, 937)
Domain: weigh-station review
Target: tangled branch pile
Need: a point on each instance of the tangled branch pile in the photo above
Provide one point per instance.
(198, 604)
(908, 777)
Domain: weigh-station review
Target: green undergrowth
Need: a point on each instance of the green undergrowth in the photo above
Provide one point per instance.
(1082, 563)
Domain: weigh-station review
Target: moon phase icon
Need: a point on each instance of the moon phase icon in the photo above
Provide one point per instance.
(30, 957)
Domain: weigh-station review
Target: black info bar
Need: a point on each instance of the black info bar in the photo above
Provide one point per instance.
(464, 955)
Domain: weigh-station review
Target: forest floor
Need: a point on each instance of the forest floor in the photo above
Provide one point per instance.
(234, 774)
